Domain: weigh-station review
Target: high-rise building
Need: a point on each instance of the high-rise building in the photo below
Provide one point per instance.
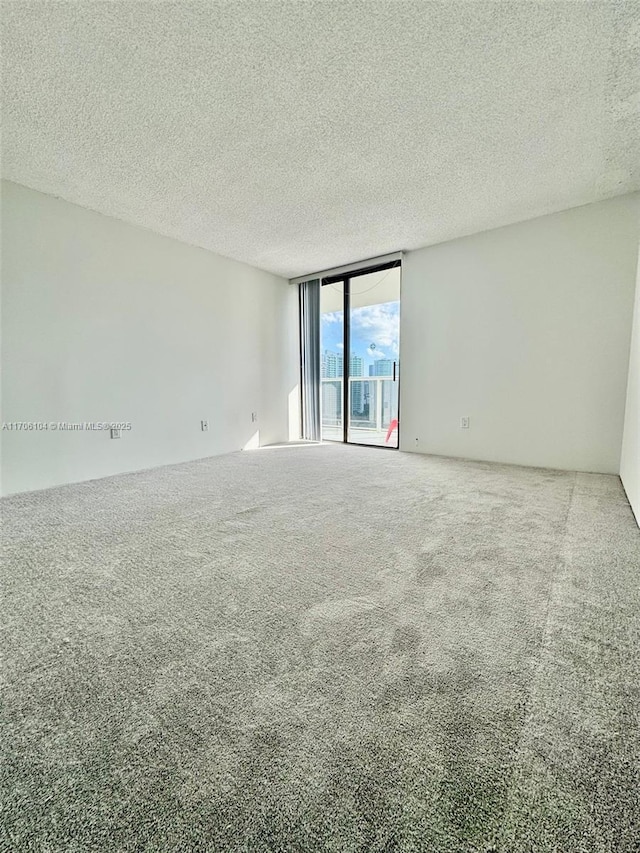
(381, 367)
(332, 365)
(356, 365)
(359, 390)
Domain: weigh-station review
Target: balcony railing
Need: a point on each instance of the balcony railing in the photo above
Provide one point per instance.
(373, 405)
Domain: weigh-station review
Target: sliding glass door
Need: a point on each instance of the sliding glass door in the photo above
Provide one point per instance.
(374, 366)
(360, 316)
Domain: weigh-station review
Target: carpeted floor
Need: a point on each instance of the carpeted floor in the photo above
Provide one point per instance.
(322, 649)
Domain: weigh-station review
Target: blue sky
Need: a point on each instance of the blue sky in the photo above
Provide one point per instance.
(374, 331)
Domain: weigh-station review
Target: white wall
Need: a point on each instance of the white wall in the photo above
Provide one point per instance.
(526, 331)
(104, 321)
(630, 457)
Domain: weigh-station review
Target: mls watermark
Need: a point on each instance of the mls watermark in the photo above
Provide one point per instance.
(64, 426)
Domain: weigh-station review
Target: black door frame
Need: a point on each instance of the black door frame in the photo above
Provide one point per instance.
(345, 278)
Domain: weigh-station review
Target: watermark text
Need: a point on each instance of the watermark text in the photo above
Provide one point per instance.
(64, 426)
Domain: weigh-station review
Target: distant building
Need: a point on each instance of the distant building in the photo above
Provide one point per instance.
(359, 390)
(356, 365)
(381, 367)
(332, 365)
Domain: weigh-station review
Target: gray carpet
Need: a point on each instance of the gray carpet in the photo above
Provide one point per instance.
(322, 649)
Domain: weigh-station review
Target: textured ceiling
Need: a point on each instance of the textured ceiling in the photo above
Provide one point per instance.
(297, 136)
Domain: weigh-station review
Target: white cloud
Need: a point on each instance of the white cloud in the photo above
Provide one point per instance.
(375, 353)
(378, 324)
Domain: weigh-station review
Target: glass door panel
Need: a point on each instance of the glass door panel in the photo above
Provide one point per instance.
(374, 366)
(332, 361)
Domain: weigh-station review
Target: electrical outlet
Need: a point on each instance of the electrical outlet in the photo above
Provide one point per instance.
(115, 432)
(204, 425)
(464, 423)
(254, 417)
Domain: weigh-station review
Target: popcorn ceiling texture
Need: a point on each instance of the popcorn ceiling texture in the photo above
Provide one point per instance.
(300, 135)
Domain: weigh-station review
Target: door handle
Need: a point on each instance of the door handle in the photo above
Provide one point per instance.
(394, 371)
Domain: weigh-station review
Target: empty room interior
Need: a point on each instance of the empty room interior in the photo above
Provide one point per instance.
(320, 442)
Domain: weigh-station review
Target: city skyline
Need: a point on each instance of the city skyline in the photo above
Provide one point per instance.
(374, 335)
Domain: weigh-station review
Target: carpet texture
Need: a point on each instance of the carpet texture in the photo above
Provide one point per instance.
(322, 648)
